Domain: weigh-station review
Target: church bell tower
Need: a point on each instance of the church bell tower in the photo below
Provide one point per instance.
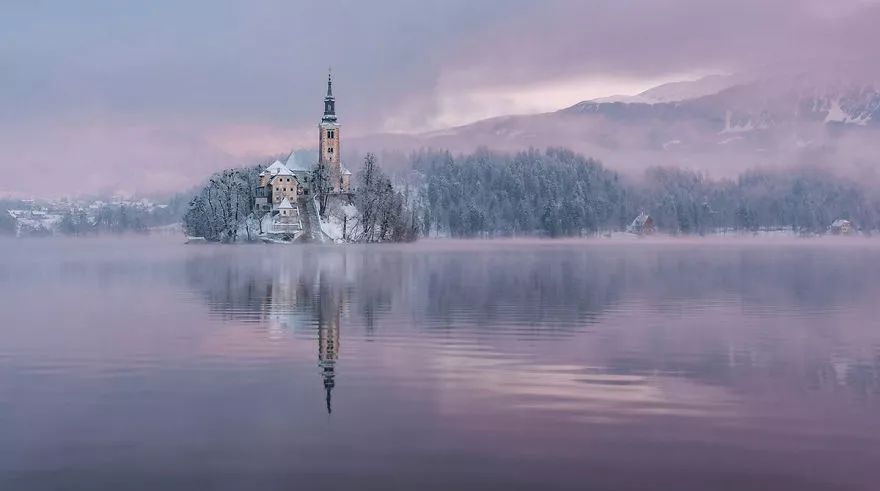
(328, 150)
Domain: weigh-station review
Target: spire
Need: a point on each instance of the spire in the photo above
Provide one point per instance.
(329, 377)
(328, 388)
(329, 101)
(329, 82)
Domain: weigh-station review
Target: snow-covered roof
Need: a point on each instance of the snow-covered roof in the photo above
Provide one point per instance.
(640, 220)
(295, 164)
(346, 172)
(840, 222)
(277, 167)
(283, 171)
(285, 204)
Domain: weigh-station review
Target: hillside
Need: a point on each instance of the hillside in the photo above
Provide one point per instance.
(719, 125)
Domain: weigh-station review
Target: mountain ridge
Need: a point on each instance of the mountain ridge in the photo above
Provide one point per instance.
(743, 122)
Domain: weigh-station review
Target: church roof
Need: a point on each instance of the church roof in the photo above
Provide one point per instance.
(285, 204)
(277, 167)
(346, 172)
(283, 171)
(296, 164)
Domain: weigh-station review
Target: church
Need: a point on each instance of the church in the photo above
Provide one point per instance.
(286, 188)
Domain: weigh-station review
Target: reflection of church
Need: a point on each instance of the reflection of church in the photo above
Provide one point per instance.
(328, 313)
(296, 295)
(328, 352)
(296, 298)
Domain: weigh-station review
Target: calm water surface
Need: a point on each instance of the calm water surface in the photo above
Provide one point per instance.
(147, 364)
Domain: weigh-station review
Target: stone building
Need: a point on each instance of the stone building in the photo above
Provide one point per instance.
(329, 139)
(295, 181)
(283, 183)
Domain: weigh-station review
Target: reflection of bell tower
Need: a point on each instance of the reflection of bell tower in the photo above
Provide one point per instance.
(328, 342)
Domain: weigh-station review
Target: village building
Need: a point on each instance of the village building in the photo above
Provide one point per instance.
(840, 227)
(642, 225)
(285, 188)
(284, 184)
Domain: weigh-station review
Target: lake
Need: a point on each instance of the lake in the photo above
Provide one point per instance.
(715, 364)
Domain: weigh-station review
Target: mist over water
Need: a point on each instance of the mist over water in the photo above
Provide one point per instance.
(528, 364)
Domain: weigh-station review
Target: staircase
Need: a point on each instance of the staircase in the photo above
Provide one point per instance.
(311, 221)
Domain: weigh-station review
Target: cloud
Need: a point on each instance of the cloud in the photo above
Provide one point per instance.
(235, 75)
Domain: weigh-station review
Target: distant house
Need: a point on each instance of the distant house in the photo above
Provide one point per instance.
(840, 227)
(642, 225)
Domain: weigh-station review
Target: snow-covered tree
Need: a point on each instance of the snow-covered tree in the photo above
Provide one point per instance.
(222, 211)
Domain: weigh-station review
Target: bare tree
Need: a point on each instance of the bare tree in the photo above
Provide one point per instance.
(381, 208)
(323, 187)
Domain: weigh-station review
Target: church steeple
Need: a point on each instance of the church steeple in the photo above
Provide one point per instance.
(334, 178)
(329, 383)
(329, 102)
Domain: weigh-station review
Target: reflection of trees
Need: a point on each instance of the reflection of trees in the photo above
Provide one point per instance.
(524, 286)
(560, 289)
(862, 377)
(786, 316)
(542, 291)
(285, 293)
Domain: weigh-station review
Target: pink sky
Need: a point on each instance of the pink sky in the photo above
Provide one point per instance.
(151, 97)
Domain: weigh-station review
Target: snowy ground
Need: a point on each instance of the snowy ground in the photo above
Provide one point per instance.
(341, 223)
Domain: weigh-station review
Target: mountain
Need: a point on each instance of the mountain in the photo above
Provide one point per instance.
(721, 125)
(679, 91)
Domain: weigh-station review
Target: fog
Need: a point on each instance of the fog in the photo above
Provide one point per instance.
(116, 97)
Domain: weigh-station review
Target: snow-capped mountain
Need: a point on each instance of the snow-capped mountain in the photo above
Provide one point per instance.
(678, 91)
(752, 105)
(718, 124)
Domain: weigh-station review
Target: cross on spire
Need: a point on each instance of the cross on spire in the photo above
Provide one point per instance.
(330, 82)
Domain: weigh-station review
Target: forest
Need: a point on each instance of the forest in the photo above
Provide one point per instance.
(559, 193)
(553, 193)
